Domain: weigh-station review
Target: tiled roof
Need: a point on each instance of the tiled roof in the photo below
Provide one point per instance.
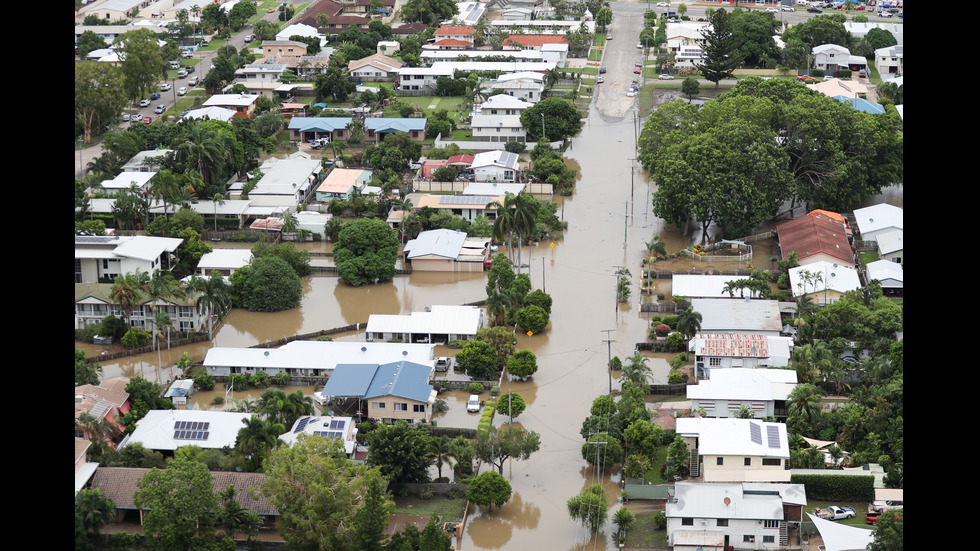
(454, 30)
(534, 40)
(119, 484)
(111, 391)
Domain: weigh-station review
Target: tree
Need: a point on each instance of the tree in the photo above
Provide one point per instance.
(233, 516)
(429, 11)
(689, 322)
(721, 56)
(400, 451)
(126, 293)
(283, 409)
(89, 41)
(522, 364)
(804, 403)
(511, 405)
(591, 508)
(889, 531)
(142, 62)
(371, 518)
(488, 489)
(496, 446)
(333, 83)
(642, 437)
(532, 318)
(478, 359)
(86, 373)
(99, 95)
(272, 286)
(603, 17)
(624, 519)
(366, 252)
(561, 120)
(440, 450)
(213, 298)
(880, 38)
(603, 450)
(317, 491)
(177, 505)
(239, 14)
(95, 509)
(690, 87)
(298, 259)
(637, 370)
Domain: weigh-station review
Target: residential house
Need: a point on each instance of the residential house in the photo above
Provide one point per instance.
(467, 207)
(304, 129)
(714, 517)
(429, 57)
(106, 401)
(878, 219)
(735, 450)
(422, 79)
(453, 37)
(165, 430)
(763, 392)
(242, 104)
(211, 113)
(716, 350)
(223, 261)
(556, 53)
(329, 426)
(261, 77)
(495, 166)
(286, 183)
(470, 13)
(147, 161)
(376, 128)
(541, 26)
(388, 47)
(120, 485)
(814, 238)
(860, 30)
(437, 324)
(825, 282)
(704, 286)
(497, 128)
(502, 104)
(388, 393)
(738, 316)
(890, 275)
(532, 41)
(891, 245)
(84, 469)
(297, 29)
(311, 358)
(688, 56)
(374, 68)
(342, 183)
(890, 60)
(93, 302)
(838, 87)
(528, 86)
(447, 251)
(125, 181)
(832, 57)
(102, 258)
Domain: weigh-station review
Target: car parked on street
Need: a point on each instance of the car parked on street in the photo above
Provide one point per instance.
(602, 70)
(249, 38)
(165, 87)
(182, 91)
(599, 80)
(473, 404)
(814, 10)
(160, 109)
(637, 70)
(665, 76)
(639, 45)
(147, 120)
(789, 8)
(144, 103)
(182, 73)
(609, 36)
(771, 10)
(193, 81)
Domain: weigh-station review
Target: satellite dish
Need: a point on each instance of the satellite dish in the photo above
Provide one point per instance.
(728, 501)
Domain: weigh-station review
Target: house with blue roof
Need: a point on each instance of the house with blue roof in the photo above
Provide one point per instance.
(305, 129)
(375, 129)
(391, 392)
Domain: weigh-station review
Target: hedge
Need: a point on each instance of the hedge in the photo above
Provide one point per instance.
(487, 418)
(836, 487)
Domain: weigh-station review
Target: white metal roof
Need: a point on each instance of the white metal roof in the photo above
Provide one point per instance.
(440, 319)
(739, 437)
(886, 270)
(836, 277)
(738, 315)
(224, 259)
(745, 384)
(878, 217)
(748, 501)
(319, 355)
(159, 429)
(891, 241)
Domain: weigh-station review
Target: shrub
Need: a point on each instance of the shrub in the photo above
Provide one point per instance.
(440, 406)
(495, 390)
(204, 382)
(237, 382)
(217, 400)
(677, 341)
(615, 364)
(532, 318)
(662, 330)
(426, 492)
(261, 378)
(476, 388)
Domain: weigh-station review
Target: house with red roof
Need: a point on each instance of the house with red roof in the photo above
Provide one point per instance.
(816, 237)
(532, 41)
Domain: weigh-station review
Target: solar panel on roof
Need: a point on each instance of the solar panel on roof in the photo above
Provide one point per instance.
(302, 424)
(772, 432)
(755, 433)
(337, 424)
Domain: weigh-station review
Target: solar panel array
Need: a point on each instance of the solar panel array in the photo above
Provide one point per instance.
(302, 424)
(772, 432)
(329, 434)
(465, 200)
(191, 430)
(755, 433)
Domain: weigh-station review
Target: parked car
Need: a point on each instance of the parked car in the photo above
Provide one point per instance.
(602, 70)
(609, 36)
(165, 87)
(125, 117)
(663, 4)
(443, 363)
(190, 69)
(871, 517)
(789, 8)
(182, 91)
(193, 81)
(319, 142)
(473, 404)
(154, 96)
(814, 10)
(160, 109)
(885, 13)
(147, 120)
(144, 103)
(665, 76)
(639, 45)
(835, 513)
(599, 80)
(182, 73)
(771, 10)
(637, 70)
(638, 63)
(249, 38)
(187, 54)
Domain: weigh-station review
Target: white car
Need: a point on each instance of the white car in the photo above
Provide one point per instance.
(885, 13)
(473, 404)
(144, 103)
(665, 76)
(771, 10)
(663, 4)
(789, 8)
(639, 45)
(165, 87)
(599, 80)
(182, 91)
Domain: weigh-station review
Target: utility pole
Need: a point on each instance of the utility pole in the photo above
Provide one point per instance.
(544, 284)
(609, 342)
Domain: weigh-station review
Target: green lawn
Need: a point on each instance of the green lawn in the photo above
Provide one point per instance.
(445, 507)
(644, 534)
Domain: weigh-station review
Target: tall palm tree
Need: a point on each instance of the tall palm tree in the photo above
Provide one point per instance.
(503, 225)
(126, 293)
(166, 188)
(159, 288)
(217, 199)
(525, 212)
(440, 450)
(213, 298)
(496, 307)
(689, 322)
(804, 403)
(206, 150)
(257, 438)
(637, 370)
(301, 405)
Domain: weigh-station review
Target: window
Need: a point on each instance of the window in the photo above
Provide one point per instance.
(418, 408)
(748, 461)
(720, 461)
(771, 462)
(770, 524)
(687, 522)
(748, 538)
(768, 539)
(377, 405)
(723, 522)
(401, 406)
(714, 362)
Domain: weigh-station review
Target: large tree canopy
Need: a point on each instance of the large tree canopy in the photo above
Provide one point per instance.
(366, 251)
(561, 119)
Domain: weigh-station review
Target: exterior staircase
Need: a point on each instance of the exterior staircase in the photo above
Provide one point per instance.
(695, 461)
(783, 534)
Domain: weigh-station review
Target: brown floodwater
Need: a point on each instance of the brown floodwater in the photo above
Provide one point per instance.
(609, 221)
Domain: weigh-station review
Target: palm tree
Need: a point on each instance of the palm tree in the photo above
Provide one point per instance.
(804, 403)
(525, 212)
(440, 449)
(126, 293)
(624, 519)
(257, 438)
(503, 225)
(496, 308)
(205, 150)
(212, 297)
(637, 370)
(301, 405)
(95, 508)
(161, 287)
(656, 247)
(166, 188)
(217, 199)
(689, 322)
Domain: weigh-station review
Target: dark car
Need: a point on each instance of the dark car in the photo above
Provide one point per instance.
(602, 70)
(189, 69)
(814, 10)
(154, 95)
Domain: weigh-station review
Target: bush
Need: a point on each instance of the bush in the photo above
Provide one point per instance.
(615, 364)
(440, 406)
(514, 147)
(532, 318)
(476, 388)
(835, 487)
(204, 382)
(522, 364)
(271, 286)
(662, 330)
(495, 390)
(426, 492)
(217, 400)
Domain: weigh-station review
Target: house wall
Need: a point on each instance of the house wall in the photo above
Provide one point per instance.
(730, 408)
(494, 174)
(499, 134)
(445, 265)
(384, 408)
(739, 531)
(734, 469)
(822, 257)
